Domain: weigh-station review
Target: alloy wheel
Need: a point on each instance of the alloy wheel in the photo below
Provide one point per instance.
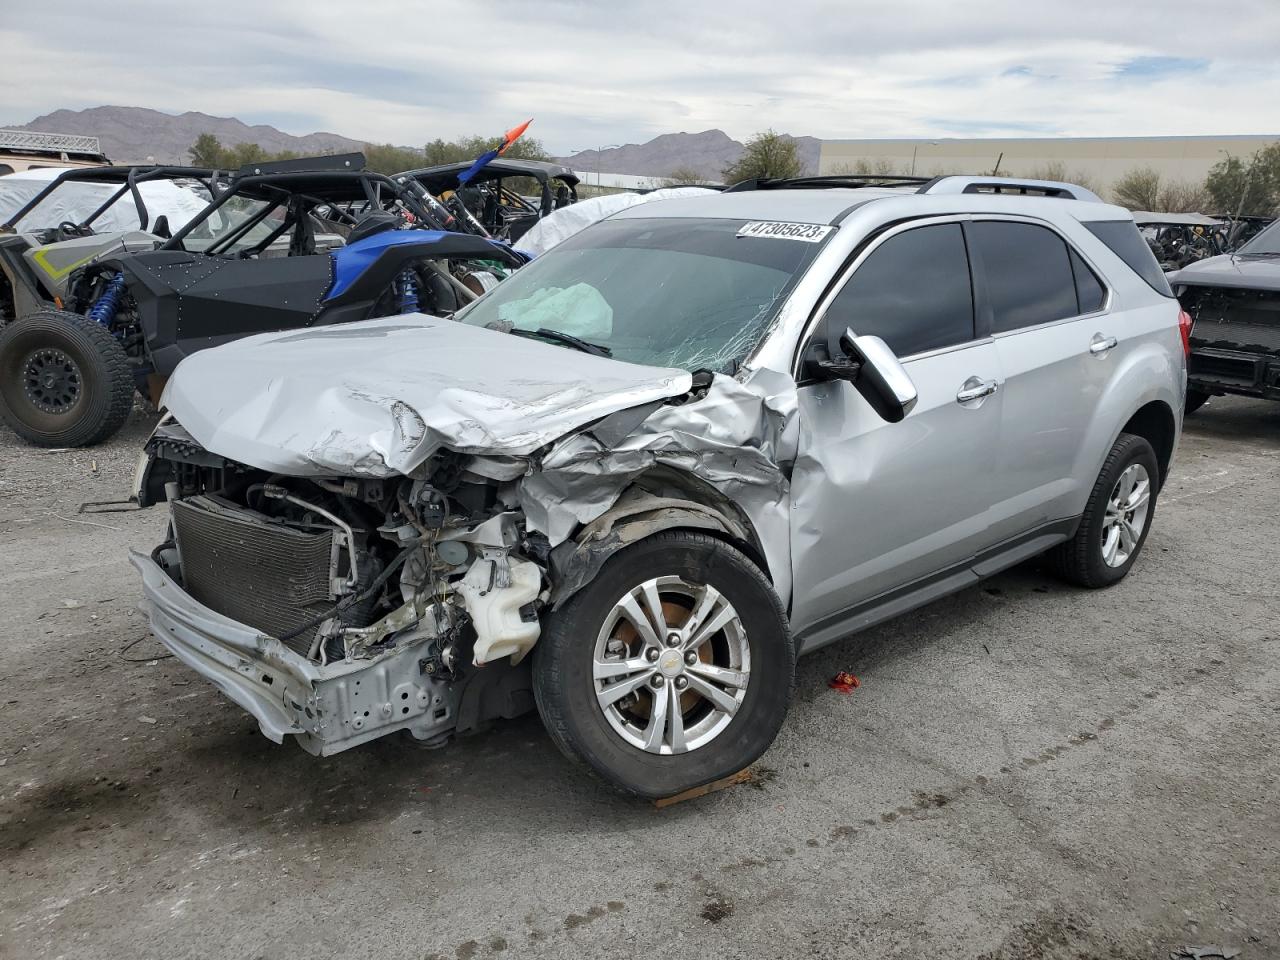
(51, 380)
(671, 665)
(1126, 515)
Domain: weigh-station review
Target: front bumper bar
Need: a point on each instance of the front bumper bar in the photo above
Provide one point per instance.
(1241, 372)
(328, 708)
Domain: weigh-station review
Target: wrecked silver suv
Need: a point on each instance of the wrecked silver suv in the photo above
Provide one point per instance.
(632, 482)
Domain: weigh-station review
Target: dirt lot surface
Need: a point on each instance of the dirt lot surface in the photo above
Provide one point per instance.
(1028, 770)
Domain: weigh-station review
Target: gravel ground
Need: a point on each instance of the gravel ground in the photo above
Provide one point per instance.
(1028, 770)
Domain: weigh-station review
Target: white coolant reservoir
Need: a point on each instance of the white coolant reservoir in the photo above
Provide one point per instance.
(494, 589)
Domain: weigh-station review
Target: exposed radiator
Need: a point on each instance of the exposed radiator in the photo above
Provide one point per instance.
(265, 575)
(1238, 336)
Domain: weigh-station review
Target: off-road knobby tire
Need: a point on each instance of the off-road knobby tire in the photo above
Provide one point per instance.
(106, 379)
(1079, 560)
(562, 667)
(1195, 400)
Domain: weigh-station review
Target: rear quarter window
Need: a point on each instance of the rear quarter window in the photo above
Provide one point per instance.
(1123, 239)
(1028, 273)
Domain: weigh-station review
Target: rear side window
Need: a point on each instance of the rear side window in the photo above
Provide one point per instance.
(1028, 272)
(913, 292)
(1124, 240)
(1089, 289)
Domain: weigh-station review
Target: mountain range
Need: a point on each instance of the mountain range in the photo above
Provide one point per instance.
(707, 153)
(138, 134)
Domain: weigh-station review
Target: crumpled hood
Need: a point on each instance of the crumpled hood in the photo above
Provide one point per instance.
(1231, 270)
(379, 397)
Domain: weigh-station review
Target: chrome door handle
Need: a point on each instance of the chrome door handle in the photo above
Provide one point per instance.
(975, 389)
(1100, 344)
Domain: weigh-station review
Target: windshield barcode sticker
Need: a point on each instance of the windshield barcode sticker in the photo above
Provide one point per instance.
(808, 232)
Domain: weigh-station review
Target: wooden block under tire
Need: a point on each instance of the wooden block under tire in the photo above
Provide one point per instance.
(742, 776)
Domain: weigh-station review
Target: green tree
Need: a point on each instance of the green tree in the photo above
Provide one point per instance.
(767, 154)
(1250, 186)
(387, 158)
(468, 148)
(239, 154)
(206, 151)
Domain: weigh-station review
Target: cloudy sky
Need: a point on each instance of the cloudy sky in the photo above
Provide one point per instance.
(597, 73)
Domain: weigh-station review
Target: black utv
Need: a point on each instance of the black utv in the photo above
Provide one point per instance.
(493, 202)
(283, 245)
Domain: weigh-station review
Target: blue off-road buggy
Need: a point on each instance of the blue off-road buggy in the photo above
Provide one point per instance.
(283, 245)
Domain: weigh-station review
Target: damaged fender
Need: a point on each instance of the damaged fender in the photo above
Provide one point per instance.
(635, 516)
(738, 436)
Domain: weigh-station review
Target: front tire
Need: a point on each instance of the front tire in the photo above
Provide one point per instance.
(1116, 519)
(65, 381)
(671, 669)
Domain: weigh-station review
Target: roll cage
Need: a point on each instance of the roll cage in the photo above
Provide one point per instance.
(128, 178)
(288, 197)
(493, 197)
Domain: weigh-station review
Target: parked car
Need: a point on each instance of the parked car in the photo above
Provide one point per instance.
(1234, 301)
(281, 246)
(492, 200)
(631, 483)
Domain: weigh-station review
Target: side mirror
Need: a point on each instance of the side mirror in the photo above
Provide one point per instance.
(872, 368)
(882, 380)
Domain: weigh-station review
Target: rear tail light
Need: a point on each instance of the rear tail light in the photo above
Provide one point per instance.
(1184, 328)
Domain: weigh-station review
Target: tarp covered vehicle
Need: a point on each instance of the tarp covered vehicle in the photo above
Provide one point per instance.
(282, 246)
(53, 222)
(1234, 303)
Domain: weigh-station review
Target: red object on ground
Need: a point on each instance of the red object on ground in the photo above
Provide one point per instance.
(844, 682)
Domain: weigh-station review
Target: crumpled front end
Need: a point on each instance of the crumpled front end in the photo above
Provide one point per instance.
(339, 608)
(328, 708)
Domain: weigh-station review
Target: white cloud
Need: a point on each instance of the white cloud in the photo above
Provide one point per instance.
(591, 73)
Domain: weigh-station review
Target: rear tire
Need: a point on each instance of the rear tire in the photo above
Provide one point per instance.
(1116, 519)
(695, 709)
(65, 381)
(1195, 400)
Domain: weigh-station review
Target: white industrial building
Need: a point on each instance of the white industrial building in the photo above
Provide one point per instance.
(1103, 160)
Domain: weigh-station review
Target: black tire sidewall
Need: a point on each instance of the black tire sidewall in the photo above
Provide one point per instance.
(106, 383)
(565, 691)
(1129, 449)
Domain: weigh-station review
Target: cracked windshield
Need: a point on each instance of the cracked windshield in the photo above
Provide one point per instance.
(686, 293)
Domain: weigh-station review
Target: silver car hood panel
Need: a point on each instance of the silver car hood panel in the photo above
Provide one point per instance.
(379, 397)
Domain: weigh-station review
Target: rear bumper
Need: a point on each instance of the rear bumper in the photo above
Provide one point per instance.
(328, 708)
(1224, 370)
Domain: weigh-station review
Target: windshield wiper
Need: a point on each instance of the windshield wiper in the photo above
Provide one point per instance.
(568, 339)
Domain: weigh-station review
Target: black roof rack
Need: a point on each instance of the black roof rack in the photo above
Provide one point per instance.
(338, 161)
(849, 180)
